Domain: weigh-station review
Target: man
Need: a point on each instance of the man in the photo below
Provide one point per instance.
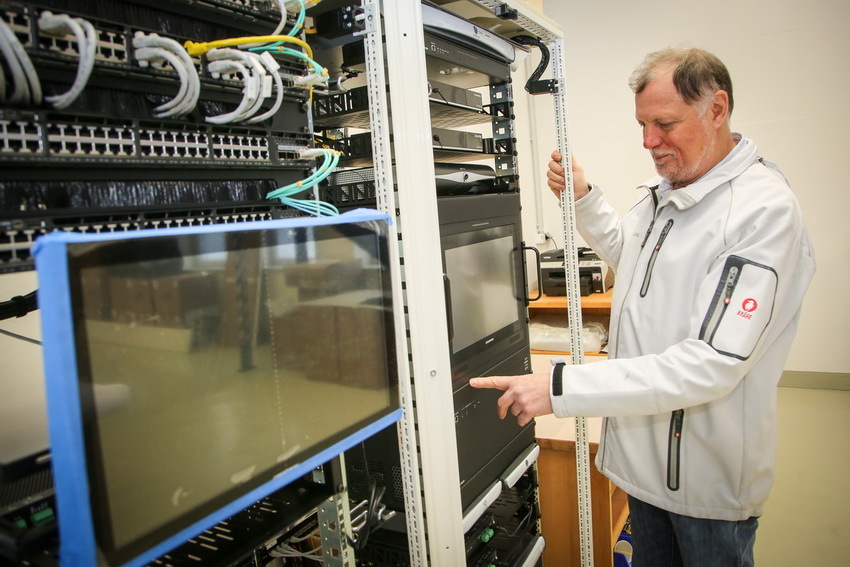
(712, 264)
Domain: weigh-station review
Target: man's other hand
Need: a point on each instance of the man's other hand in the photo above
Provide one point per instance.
(557, 181)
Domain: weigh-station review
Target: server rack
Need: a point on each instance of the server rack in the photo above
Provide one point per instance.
(444, 523)
(432, 440)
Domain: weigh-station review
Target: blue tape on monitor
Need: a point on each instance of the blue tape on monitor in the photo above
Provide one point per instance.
(193, 371)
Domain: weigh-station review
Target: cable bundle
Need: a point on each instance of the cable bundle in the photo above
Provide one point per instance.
(286, 6)
(541, 66)
(314, 207)
(61, 25)
(229, 62)
(372, 518)
(251, 59)
(26, 87)
(259, 73)
(153, 49)
(318, 76)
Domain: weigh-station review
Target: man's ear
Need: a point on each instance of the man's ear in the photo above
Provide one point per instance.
(719, 108)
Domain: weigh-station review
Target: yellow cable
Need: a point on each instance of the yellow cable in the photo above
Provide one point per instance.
(199, 48)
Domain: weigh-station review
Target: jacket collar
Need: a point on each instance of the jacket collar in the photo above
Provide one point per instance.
(745, 155)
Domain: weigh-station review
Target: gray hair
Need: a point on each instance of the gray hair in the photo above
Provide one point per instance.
(697, 74)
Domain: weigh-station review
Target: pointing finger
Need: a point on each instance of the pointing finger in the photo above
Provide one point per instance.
(494, 382)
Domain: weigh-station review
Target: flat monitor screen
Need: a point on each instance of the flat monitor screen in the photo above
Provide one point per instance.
(481, 270)
(208, 367)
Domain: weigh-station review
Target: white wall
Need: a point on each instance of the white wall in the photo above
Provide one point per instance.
(791, 76)
(788, 61)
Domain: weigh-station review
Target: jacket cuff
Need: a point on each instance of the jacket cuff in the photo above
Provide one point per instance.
(557, 378)
(594, 193)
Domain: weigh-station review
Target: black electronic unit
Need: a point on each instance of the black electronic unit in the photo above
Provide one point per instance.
(446, 24)
(488, 334)
(516, 512)
(487, 445)
(483, 262)
(448, 144)
(467, 67)
(465, 179)
(455, 96)
(28, 527)
(355, 187)
(447, 139)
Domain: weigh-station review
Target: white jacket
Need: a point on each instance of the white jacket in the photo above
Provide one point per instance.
(710, 281)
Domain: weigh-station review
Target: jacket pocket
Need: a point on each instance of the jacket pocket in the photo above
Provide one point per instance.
(741, 308)
(644, 288)
(674, 449)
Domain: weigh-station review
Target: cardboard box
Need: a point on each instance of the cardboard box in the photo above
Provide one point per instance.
(177, 296)
(96, 296)
(131, 299)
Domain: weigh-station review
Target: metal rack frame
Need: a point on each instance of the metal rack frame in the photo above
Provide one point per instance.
(433, 506)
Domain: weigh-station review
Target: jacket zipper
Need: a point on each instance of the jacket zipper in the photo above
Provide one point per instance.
(652, 193)
(648, 232)
(674, 449)
(722, 304)
(651, 264)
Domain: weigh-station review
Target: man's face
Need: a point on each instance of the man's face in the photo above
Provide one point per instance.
(682, 143)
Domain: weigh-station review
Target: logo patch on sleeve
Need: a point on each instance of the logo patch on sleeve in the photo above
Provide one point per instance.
(747, 307)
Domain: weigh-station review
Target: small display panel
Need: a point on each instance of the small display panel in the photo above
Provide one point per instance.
(210, 362)
(481, 270)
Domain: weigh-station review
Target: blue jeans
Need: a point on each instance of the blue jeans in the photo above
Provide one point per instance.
(661, 539)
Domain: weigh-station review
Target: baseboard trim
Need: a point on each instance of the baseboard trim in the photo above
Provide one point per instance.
(815, 380)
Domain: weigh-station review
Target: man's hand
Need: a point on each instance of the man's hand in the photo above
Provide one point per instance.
(557, 181)
(525, 397)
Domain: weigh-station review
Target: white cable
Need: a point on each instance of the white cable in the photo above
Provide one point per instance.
(20, 90)
(177, 106)
(263, 84)
(27, 85)
(313, 79)
(252, 81)
(86, 35)
(281, 4)
(91, 54)
(249, 88)
(272, 67)
(258, 75)
(183, 65)
(160, 48)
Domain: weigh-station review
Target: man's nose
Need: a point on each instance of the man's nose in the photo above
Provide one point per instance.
(651, 137)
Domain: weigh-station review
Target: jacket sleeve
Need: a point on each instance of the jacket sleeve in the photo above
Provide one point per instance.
(600, 226)
(744, 315)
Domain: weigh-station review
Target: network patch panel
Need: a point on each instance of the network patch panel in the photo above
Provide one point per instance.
(30, 139)
(127, 148)
(18, 236)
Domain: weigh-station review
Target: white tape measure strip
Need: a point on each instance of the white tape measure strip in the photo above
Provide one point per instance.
(573, 309)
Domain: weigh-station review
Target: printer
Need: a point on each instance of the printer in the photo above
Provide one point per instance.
(594, 274)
